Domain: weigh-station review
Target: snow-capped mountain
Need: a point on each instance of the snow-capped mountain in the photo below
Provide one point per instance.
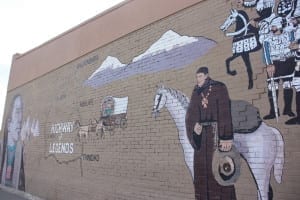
(170, 51)
(109, 63)
(166, 42)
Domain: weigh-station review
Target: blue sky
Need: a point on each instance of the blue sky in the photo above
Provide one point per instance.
(4, 71)
(26, 24)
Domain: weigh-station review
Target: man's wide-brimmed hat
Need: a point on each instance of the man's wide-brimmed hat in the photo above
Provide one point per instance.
(226, 166)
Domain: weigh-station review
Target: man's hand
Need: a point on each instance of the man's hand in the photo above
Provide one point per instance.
(253, 23)
(270, 70)
(225, 145)
(294, 46)
(198, 128)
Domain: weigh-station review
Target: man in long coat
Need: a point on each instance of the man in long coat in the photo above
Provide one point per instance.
(209, 103)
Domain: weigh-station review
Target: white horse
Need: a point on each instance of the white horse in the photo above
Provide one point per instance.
(83, 130)
(245, 41)
(262, 149)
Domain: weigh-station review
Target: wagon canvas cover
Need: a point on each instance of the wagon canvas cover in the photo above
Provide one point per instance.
(120, 105)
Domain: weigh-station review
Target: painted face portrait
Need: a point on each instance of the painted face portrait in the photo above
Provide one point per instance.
(16, 115)
(237, 3)
(14, 124)
(201, 77)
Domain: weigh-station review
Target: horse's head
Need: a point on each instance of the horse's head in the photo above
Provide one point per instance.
(160, 100)
(231, 19)
(77, 124)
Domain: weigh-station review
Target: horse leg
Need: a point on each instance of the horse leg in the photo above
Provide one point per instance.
(261, 173)
(265, 155)
(228, 60)
(246, 59)
(258, 173)
(258, 150)
(102, 133)
(262, 177)
(270, 193)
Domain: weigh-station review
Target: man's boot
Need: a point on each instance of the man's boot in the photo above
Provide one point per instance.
(288, 99)
(295, 120)
(271, 114)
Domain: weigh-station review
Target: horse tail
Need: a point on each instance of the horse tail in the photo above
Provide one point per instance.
(279, 160)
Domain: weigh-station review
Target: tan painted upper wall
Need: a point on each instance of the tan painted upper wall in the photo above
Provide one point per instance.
(92, 34)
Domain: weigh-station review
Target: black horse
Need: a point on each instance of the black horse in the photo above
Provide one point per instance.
(245, 41)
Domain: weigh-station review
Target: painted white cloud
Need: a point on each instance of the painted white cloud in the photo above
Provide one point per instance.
(2, 101)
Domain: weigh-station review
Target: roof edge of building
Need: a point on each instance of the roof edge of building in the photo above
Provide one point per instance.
(105, 12)
(82, 39)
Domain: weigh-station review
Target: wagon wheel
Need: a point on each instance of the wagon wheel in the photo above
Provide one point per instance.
(118, 122)
(123, 123)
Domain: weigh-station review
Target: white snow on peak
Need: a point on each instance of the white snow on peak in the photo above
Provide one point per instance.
(166, 42)
(109, 63)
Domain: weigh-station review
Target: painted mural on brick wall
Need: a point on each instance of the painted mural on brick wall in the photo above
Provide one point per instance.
(17, 131)
(245, 41)
(112, 117)
(215, 132)
(170, 51)
(276, 30)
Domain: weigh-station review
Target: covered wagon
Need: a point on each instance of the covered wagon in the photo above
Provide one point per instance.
(114, 113)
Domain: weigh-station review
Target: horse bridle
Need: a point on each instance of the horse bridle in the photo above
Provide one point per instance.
(159, 100)
(244, 29)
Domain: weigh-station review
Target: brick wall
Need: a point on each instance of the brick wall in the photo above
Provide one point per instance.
(142, 158)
